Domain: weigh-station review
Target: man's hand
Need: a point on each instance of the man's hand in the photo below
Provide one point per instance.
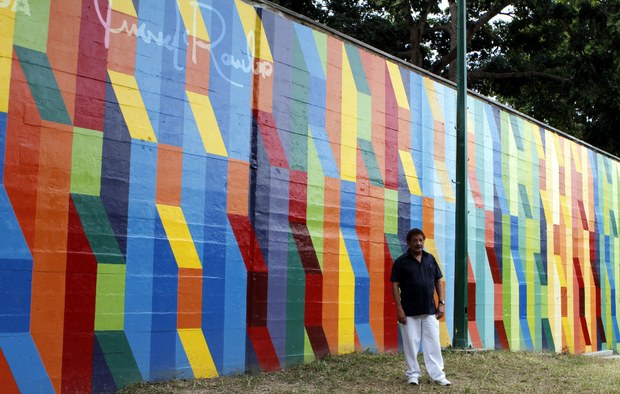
(441, 309)
(402, 318)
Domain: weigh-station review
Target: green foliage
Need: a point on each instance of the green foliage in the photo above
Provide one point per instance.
(555, 60)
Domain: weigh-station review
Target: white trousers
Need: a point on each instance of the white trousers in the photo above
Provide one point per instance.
(426, 329)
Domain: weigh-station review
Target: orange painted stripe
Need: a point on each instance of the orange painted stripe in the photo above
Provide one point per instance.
(7, 381)
(331, 245)
(334, 95)
(63, 38)
(377, 265)
(122, 50)
(50, 250)
(190, 298)
(362, 202)
(21, 161)
(439, 140)
(263, 87)
(169, 174)
(374, 67)
(197, 67)
(238, 187)
(428, 217)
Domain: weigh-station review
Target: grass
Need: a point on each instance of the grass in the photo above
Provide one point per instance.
(470, 372)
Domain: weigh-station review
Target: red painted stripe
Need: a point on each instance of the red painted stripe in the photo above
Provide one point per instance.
(362, 205)
(21, 161)
(271, 139)
(471, 307)
(582, 212)
(584, 329)
(390, 322)
(80, 296)
(9, 386)
(298, 196)
(391, 135)
(92, 68)
(318, 341)
(263, 347)
(500, 332)
(257, 270)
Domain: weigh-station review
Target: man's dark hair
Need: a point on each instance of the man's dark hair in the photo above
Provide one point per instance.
(413, 232)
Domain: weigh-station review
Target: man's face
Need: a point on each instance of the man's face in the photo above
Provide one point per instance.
(416, 243)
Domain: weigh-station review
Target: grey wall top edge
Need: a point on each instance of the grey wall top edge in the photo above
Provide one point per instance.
(307, 21)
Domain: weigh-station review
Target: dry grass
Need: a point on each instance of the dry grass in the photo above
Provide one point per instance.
(470, 372)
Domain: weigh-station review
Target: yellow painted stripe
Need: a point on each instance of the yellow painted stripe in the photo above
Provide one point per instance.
(7, 27)
(192, 18)
(207, 124)
(124, 6)
(397, 85)
(132, 106)
(446, 183)
(410, 172)
(576, 153)
(560, 269)
(538, 141)
(346, 302)
(567, 328)
(252, 25)
(348, 134)
(433, 100)
(198, 353)
(179, 236)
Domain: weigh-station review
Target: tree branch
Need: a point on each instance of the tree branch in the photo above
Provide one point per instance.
(515, 74)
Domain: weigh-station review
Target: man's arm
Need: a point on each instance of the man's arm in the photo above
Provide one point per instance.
(441, 309)
(399, 308)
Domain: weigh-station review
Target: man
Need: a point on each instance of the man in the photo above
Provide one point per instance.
(417, 275)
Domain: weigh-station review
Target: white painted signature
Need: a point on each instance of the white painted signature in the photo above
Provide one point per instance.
(246, 63)
(22, 6)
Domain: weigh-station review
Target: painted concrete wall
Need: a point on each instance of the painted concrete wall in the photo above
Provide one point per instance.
(191, 189)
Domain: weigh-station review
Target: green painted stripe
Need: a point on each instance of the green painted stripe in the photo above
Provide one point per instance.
(300, 90)
(86, 162)
(321, 46)
(295, 306)
(390, 216)
(43, 86)
(31, 23)
(98, 229)
(119, 357)
(370, 160)
(525, 201)
(540, 269)
(110, 301)
(315, 211)
(359, 75)
(546, 327)
(308, 352)
(394, 245)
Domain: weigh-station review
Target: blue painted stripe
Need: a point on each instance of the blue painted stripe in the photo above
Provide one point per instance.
(235, 306)
(172, 80)
(15, 271)
(310, 51)
(140, 252)
(149, 57)
(214, 257)
(367, 339)
(525, 332)
(3, 116)
(23, 358)
(164, 316)
(324, 149)
(230, 88)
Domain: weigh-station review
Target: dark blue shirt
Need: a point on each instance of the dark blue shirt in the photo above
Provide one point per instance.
(417, 283)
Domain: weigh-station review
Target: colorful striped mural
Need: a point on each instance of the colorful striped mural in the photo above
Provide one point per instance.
(196, 188)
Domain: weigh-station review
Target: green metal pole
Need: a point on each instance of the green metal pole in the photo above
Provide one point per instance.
(459, 338)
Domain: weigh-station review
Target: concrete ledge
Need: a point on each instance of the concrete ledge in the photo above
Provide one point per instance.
(601, 353)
